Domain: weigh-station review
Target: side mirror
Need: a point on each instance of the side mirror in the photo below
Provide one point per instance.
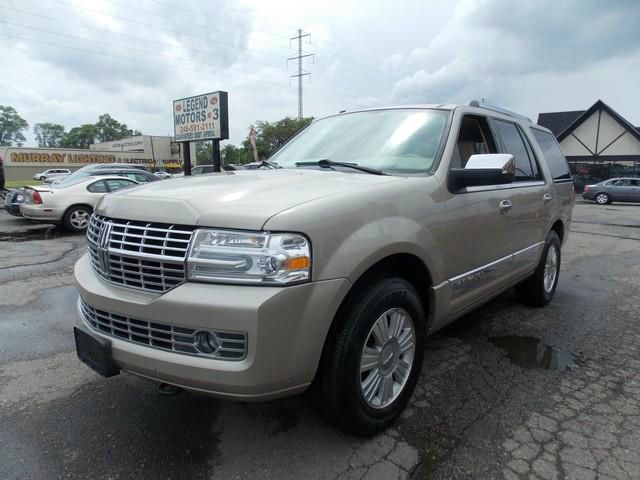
(483, 170)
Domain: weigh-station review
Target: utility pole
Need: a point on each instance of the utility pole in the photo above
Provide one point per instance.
(301, 73)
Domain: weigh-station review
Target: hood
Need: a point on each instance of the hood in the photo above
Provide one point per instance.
(241, 199)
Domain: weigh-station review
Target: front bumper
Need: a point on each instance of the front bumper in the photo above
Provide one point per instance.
(285, 326)
(590, 195)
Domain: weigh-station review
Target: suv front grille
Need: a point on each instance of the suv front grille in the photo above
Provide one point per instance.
(143, 255)
(232, 345)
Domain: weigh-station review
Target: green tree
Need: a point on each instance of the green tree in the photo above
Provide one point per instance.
(109, 129)
(236, 155)
(11, 127)
(272, 135)
(49, 134)
(203, 153)
(80, 137)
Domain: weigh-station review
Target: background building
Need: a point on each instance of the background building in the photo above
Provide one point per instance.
(598, 143)
(155, 152)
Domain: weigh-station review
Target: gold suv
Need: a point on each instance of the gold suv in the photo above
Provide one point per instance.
(366, 232)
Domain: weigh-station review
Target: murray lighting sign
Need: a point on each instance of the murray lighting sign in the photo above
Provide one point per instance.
(203, 117)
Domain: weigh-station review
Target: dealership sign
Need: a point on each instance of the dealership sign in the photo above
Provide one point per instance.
(203, 117)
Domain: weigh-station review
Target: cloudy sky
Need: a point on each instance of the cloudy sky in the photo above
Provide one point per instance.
(68, 61)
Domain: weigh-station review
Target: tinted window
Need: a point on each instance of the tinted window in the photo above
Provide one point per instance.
(635, 183)
(532, 156)
(551, 150)
(514, 145)
(98, 187)
(140, 177)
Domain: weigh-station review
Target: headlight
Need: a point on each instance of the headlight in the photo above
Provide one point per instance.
(225, 256)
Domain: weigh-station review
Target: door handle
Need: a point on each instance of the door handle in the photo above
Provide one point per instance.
(546, 198)
(505, 206)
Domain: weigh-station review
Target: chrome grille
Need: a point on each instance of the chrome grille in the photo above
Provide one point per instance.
(143, 255)
(232, 345)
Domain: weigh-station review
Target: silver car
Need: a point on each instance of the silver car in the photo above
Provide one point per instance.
(370, 231)
(613, 190)
(52, 174)
(70, 203)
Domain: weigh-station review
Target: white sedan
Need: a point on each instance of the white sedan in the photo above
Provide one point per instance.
(52, 174)
(70, 203)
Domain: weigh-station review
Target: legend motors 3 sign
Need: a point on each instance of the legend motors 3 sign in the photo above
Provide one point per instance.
(203, 117)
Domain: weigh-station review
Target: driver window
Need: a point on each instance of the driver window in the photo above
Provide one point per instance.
(474, 138)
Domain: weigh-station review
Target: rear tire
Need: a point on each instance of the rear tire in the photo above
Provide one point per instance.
(76, 218)
(372, 357)
(538, 290)
(603, 198)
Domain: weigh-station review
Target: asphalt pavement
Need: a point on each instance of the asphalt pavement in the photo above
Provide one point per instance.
(506, 392)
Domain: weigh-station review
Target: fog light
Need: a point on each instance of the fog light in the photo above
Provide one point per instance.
(206, 342)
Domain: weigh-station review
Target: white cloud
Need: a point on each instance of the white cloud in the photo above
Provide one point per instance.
(134, 58)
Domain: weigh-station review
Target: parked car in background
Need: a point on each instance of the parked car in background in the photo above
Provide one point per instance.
(162, 175)
(140, 176)
(12, 200)
(99, 166)
(70, 203)
(613, 190)
(371, 230)
(52, 174)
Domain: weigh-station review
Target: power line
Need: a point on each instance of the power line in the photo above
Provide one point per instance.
(197, 12)
(301, 73)
(133, 49)
(137, 60)
(179, 32)
(174, 20)
(161, 65)
(135, 37)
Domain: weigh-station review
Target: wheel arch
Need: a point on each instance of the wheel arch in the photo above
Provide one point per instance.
(558, 227)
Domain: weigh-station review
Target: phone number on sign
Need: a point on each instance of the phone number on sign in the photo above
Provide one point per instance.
(196, 127)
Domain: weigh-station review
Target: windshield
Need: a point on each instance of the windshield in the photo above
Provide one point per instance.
(394, 141)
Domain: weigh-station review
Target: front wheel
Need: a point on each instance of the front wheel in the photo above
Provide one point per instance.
(76, 218)
(373, 357)
(603, 199)
(538, 290)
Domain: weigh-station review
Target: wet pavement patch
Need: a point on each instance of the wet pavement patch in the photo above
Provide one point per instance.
(531, 352)
(45, 232)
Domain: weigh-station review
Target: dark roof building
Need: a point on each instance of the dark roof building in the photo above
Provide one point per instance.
(598, 142)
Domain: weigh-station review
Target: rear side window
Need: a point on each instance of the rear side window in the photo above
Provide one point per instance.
(98, 187)
(514, 144)
(555, 159)
(115, 185)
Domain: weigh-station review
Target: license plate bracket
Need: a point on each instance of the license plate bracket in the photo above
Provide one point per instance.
(95, 352)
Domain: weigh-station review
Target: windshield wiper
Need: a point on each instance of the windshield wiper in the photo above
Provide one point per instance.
(326, 163)
(266, 163)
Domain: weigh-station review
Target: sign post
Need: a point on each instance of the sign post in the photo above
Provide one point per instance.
(202, 117)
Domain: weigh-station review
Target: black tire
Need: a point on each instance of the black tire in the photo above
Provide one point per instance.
(532, 291)
(602, 198)
(338, 385)
(70, 220)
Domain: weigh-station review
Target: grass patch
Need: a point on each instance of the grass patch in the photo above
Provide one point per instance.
(20, 183)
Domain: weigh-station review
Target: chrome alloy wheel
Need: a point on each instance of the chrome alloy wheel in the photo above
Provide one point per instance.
(79, 219)
(387, 358)
(602, 198)
(550, 268)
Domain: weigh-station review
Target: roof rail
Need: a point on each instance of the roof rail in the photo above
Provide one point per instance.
(494, 108)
